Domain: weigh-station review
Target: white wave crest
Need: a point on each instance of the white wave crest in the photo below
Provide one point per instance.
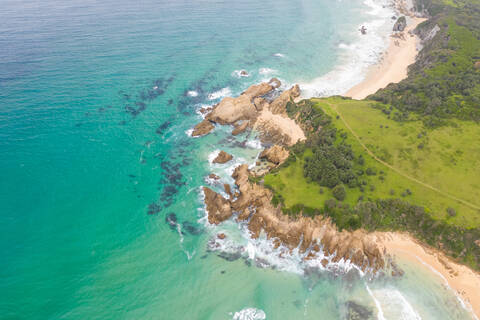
(254, 144)
(250, 314)
(280, 55)
(192, 93)
(391, 303)
(220, 94)
(266, 71)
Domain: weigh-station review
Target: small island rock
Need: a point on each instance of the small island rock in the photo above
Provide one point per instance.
(222, 157)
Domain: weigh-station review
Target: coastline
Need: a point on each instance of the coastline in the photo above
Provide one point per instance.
(393, 66)
(462, 280)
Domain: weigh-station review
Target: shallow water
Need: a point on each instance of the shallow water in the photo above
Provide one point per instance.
(96, 101)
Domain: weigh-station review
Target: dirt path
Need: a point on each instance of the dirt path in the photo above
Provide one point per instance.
(468, 204)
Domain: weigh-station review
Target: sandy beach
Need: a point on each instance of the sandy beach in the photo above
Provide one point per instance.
(463, 280)
(393, 66)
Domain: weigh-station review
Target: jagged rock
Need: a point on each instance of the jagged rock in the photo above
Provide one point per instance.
(213, 176)
(240, 128)
(221, 236)
(260, 103)
(275, 154)
(401, 24)
(253, 204)
(279, 104)
(228, 190)
(275, 83)
(230, 110)
(222, 157)
(243, 73)
(218, 208)
(202, 128)
(255, 106)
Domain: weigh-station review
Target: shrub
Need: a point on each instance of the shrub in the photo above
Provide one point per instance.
(339, 192)
(451, 212)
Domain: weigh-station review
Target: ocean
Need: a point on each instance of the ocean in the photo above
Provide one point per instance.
(101, 214)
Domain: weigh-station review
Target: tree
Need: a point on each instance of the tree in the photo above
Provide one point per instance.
(339, 192)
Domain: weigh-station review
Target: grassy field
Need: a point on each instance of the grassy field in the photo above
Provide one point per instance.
(435, 168)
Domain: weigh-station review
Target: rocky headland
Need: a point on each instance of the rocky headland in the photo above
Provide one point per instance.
(261, 107)
(251, 203)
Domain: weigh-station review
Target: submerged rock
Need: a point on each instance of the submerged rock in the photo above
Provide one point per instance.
(153, 208)
(192, 228)
(357, 311)
(171, 220)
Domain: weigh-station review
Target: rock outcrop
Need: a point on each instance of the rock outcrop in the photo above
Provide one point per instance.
(275, 154)
(202, 128)
(257, 108)
(279, 104)
(400, 25)
(218, 207)
(253, 204)
(222, 157)
(477, 65)
(240, 128)
(230, 110)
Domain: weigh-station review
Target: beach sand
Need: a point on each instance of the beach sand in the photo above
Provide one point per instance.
(463, 280)
(393, 67)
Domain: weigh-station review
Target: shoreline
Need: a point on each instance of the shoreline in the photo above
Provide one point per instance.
(393, 66)
(459, 278)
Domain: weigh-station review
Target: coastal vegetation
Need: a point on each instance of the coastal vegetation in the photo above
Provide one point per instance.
(362, 169)
(444, 82)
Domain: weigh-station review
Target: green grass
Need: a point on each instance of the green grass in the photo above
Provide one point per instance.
(448, 161)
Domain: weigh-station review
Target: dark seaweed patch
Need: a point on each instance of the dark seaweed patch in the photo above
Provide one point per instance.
(230, 256)
(358, 311)
(171, 220)
(192, 228)
(153, 208)
(164, 126)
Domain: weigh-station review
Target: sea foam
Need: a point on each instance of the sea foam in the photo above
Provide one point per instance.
(356, 56)
(220, 94)
(250, 314)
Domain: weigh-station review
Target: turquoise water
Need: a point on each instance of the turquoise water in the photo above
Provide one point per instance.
(95, 102)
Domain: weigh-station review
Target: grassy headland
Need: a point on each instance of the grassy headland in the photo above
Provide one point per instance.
(363, 169)
(407, 158)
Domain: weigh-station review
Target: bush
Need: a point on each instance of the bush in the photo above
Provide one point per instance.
(339, 192)
(371, 171)
(451, 212)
